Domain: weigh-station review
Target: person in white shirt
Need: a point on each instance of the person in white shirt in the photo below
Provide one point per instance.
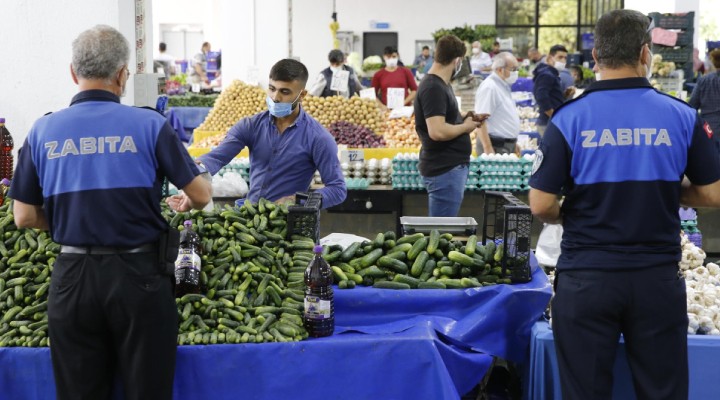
(322, 84)
(494, 97)
(167, 61)
(480, 60)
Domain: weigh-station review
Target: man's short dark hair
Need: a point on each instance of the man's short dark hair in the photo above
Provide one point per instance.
(556, 48)
(426, 48)
(288, 70)
(336, 57)
(448, 48)
(163, 46)
(715, 57)
(389, 50)
(619, 37)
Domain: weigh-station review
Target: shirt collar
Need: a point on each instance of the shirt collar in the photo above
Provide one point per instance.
(94, 95)
(625, 83)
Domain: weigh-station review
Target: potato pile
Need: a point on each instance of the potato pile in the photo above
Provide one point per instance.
(327, 110)
(209, 142)
(400, 133)
(236, 102)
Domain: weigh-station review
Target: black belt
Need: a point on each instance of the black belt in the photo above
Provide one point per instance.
(146, 248)
(502, 140)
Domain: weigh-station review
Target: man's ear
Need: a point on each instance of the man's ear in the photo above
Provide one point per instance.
(72, 73)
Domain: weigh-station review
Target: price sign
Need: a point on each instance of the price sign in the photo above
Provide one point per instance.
(368, 94)
(340, 81)
(253, 75)
(351, 156)
(395, 98)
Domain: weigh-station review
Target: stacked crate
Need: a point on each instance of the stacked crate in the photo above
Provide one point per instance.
(681, 54)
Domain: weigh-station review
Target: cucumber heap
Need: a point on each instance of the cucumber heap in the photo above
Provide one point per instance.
(27, 259)
(418, 262)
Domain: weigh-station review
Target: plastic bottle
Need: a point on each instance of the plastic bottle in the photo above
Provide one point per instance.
(188, 263)
(6, 148)
(319, 315)
(4, 187)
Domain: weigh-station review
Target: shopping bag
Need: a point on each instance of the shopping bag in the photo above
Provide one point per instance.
(548, 246)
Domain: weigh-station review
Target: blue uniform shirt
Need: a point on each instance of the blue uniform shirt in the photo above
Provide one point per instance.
(283, 164)
(97, 168)
(619, 153)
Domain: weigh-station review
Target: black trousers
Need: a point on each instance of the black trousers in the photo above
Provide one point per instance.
(592, 308)
(112, 314)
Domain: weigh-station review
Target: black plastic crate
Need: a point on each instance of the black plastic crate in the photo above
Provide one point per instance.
(681, 55)
(673, 21)
(508, 220)
(304, 217)
(165, 189)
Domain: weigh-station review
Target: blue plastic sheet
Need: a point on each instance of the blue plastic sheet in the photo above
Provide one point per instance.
(412, 364)
(176, 124)
(495, 320)
(542, 378)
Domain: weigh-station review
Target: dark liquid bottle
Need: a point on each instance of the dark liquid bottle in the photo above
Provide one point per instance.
(319, 315)
(187, 265)
(6, 148)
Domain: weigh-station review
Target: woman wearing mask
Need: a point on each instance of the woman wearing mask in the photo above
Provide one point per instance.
(480, 60)
(393, 76)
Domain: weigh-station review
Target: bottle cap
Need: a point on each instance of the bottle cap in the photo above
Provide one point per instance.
(187, 223)
(5, 181)
(318, 249)
(2, 120)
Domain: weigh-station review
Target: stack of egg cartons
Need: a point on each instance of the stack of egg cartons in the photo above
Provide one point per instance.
(405, 173)
(504, 171)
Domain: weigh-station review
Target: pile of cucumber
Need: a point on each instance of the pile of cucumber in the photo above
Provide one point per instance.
(27, 259)
(418, 261)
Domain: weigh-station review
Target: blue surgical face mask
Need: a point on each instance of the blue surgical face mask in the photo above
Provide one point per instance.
(280, 110)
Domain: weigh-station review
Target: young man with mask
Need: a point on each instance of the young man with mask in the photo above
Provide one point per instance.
(494, 97)
(547, 86)
(443, 132)
(393, 76)
(321, 87)
(619, 153)
(286, 145)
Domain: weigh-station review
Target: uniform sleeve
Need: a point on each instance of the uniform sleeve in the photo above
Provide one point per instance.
(237, 138)
(324, 154)
(551, 169)
(428, 98)
(174, 161)
(703, 165)
(25, 186)
(485, 100)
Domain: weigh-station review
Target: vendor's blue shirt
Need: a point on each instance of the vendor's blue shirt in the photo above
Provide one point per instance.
(547, 89)
(283, 164)
(618, 153)
(97, 169)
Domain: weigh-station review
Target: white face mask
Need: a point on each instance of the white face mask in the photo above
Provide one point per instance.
(475, 50)
(597, 76)
(559, 65)
(512, 78)
(458, 67)
(391, 62)
(648, 74)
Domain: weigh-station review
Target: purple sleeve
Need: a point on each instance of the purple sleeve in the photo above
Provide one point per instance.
(174, 161)
(324, 153)
(25, 186)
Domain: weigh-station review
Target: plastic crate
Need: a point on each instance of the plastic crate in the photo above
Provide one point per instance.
(508, 220)
(670, 84)
(165, 189)
(680, 55)
(304, 217)
(685, 38)
(674, 21)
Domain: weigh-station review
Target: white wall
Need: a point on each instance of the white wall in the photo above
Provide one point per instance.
(413, 20)
(36, 44)
(207, 13)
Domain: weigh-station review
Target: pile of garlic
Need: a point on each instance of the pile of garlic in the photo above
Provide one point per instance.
(703, 290)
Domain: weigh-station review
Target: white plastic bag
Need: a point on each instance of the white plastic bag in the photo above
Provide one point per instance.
(548, 246)
(231, 184)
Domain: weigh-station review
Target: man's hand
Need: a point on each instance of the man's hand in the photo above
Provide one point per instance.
(179, 202)
(289, 200)
(570, 92)
(470, 124)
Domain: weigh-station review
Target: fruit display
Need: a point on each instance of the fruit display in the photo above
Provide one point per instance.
(237, 101)
(210, 141)
(355, 136)
(703, 290)
(418, 261)
(329, 110)
(400, 133)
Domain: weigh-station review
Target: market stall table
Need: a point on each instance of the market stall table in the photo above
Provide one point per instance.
(188, 118)
(388, 344)
(542, 379)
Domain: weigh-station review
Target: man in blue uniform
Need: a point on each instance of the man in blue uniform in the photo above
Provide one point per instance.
(92, 175)
(286, 145)
(619, 153)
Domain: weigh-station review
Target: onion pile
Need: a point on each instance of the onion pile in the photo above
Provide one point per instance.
(237, 101)
(400, 133)
(328, 110)
(355, 136)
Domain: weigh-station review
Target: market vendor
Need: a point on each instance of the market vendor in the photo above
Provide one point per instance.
(322, 85)
(92, 174)
(394, 76)
(619, 153)
(286, 145)
(198, 67)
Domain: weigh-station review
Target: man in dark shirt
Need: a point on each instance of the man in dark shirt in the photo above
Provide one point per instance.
(547, 86)
(444, 134)
(619, 153)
